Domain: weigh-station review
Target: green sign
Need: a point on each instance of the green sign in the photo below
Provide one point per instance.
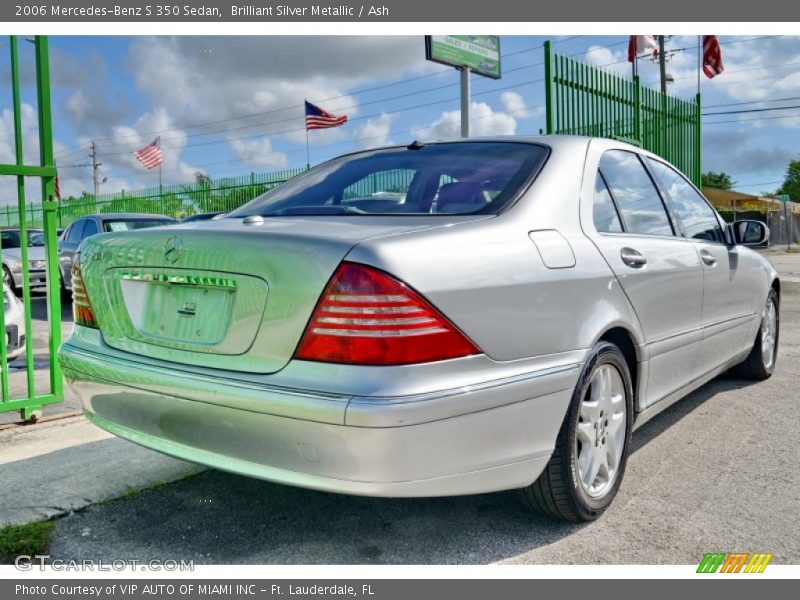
(479, 53)
(783, 197)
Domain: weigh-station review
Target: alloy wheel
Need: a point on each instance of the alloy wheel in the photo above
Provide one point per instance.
(600, 438)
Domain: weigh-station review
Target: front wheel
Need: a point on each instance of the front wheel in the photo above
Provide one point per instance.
(591, 451)
(760, 363)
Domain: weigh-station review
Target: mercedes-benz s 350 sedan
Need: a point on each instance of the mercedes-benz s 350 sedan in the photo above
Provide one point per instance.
(425, 320)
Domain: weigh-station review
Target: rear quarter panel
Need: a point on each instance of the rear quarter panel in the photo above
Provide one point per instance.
(490, 280)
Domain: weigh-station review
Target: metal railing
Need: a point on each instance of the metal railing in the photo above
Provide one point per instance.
(582, 99)
(30, 402)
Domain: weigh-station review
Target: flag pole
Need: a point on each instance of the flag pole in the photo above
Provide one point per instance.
(308, 152)
(699, 60)
(160, 189)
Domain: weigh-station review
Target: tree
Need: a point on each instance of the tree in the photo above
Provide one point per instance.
(720, 181)
(791, 183)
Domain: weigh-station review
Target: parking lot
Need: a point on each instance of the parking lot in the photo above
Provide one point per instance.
(715, 472)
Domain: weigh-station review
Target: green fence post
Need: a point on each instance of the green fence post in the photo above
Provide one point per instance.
(637, 110)
(548, 87)
(698, 145)
(49, 207)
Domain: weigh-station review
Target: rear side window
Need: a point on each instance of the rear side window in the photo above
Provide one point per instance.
(89, 229)
(698, 219)
(606, 219)
(634, 193)
(76, 231)
(446, 178)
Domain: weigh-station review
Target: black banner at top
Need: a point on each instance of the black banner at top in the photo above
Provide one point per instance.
(475, 11)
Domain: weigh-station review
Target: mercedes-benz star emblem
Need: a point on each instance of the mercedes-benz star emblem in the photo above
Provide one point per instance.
(173, 248)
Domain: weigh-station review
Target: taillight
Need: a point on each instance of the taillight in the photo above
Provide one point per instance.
(367, 317)
(81, 308)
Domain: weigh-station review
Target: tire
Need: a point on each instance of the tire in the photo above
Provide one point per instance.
(560, 492)
(760, 363)
(8, 279)
(66, 294)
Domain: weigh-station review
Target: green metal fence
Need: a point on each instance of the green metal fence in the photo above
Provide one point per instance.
(585, 100)
(179, 201)
(30, 401)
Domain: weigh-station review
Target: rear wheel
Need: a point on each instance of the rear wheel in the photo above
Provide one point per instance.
(760, 363)
(588, 462)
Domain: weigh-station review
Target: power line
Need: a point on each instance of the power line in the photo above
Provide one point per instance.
(749, 110)
(753, 102)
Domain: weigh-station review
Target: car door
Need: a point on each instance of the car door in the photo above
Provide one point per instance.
(67, 247)
(727, 277)
(659, 271)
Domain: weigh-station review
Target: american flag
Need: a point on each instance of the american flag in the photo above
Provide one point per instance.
(712, 56)
(150, 156)
(637, 44)
(316, 118)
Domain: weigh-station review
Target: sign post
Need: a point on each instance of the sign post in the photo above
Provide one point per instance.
(469, 54)
(785, 199)
(465, 94)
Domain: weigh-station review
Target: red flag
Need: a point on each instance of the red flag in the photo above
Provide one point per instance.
(712, 56)
(58, 188)
(639, 44)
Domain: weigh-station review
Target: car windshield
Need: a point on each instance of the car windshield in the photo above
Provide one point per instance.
(443, 178)
(130, 224)
(10, 238)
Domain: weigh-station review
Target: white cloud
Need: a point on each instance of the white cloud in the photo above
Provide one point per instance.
(483, 122)
(375, 132)
(515, 105)
(117, 150)
(259, 153)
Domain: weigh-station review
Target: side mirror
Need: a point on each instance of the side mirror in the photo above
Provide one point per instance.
(749, 233)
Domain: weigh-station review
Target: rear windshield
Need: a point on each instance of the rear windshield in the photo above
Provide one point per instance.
(129, 224)
(11, 238)
(450, 178)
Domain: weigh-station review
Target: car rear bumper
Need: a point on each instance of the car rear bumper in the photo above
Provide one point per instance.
(471, 440)
(37, 277)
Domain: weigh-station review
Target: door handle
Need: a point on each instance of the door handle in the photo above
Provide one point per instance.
(708, 258)
(632, 258)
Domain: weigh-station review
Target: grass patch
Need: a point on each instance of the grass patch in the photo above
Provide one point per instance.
(29, 539)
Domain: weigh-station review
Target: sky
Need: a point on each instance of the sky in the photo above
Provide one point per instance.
(228, 106)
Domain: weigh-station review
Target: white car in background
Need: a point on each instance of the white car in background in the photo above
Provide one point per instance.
(15, 324)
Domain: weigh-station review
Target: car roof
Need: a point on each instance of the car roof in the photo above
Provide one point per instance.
(129, 216)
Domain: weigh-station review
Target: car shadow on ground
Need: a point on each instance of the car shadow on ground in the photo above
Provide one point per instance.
(220, 518)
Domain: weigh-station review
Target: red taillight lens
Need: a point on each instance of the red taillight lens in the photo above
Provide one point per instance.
(366, 317)
(81, 309)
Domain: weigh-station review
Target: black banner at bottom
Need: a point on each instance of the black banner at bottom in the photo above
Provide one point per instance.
(393, 589)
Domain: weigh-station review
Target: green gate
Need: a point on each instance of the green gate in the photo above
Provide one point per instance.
(584, 100)
(18, 395)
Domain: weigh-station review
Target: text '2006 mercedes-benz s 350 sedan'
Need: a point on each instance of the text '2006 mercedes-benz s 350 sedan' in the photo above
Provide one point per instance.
(426, 320)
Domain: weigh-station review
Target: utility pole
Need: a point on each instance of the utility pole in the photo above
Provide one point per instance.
(95, 169)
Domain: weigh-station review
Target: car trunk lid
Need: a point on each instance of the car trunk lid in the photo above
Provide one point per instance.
(223, 294)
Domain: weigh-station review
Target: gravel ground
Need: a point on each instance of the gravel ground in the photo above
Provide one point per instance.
(715, 472)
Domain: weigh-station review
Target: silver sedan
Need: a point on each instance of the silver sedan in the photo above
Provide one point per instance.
(432, 319)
